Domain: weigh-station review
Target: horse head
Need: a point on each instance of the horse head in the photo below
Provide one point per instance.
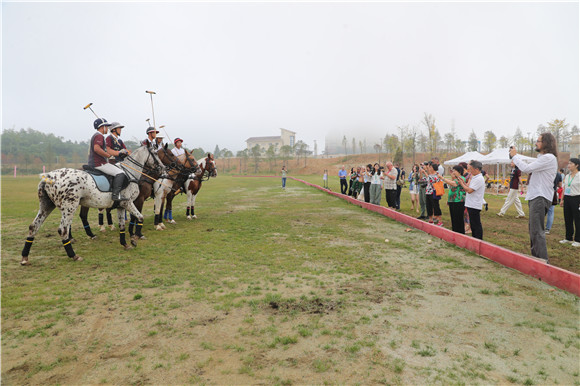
(190, 162)
(144, 158)
(208, 166)
(167, 158)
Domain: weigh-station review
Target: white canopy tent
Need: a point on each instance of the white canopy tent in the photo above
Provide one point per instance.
(470, 155)
(502, 157)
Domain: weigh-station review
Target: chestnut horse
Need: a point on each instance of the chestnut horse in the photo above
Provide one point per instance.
(193, 184)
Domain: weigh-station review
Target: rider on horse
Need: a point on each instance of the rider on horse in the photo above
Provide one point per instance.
(99, 154)
(150, 140)
(115, 142)
(177, 150)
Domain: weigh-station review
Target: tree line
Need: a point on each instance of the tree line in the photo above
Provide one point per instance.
(426, 138)
(31, 149)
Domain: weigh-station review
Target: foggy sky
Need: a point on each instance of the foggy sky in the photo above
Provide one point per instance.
(228, 71)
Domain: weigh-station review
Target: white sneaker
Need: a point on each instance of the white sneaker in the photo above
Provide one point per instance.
(565, 241)
(576, 244)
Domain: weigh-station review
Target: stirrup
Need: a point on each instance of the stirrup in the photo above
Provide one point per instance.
(119, 198)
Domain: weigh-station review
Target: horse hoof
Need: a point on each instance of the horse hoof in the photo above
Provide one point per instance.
(112, 227)
(25, 261)
(93, 237)
(127, 247)
(77, 258)
(162, 225)
(142, 237)
(72, 241)
(134, 243)
(103, 228)
(194, 216)
(189, 217)
(158, 228)
(172, 221)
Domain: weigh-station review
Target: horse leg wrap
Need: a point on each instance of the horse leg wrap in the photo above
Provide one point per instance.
(138, 230)
(70, 236)
(27, 246)
(192, 213)
(100, 219)
(87, 227)
(132, 224)
(156, 220)
(109, 218)
(165, 214)
(187, 212)
(170, 215)
(122, 237)
(68, 248)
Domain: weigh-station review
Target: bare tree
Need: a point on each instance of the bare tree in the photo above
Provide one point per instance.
(429, 122)
(378, 148)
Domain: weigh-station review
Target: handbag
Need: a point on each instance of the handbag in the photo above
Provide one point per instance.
(555, 199)
(438, 187)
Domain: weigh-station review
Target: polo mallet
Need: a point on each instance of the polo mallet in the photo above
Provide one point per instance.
(90, 108)
(165, 131)
(152, 111)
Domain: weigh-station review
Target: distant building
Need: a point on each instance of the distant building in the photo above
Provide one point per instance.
(574, 146)
(286, 137)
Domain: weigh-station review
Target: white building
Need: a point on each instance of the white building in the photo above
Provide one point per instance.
(286, 137)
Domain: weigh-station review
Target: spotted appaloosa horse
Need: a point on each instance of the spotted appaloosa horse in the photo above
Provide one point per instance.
(146, 189)
(66, 189)
(193, 184)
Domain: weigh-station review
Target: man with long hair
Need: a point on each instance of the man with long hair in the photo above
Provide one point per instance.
(540, 189)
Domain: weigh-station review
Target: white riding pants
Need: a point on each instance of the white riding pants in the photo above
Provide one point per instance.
(109, 169)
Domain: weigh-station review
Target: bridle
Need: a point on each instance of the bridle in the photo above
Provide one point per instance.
(156, 166)
(205, 173)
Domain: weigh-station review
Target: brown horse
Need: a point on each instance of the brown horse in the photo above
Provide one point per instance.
(179, 185)
(193, 184)
(149, 187)
(206, 170)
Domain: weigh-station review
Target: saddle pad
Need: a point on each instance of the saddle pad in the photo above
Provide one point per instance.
(102, 182)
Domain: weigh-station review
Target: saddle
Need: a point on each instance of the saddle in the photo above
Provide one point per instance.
(103, 181)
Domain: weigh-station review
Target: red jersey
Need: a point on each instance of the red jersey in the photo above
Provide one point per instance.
(96, 160)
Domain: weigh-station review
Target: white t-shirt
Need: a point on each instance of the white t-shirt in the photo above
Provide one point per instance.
(177, 152)
(475, 200)
(572, 185)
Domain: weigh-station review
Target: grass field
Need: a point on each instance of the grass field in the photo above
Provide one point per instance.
(272, 286)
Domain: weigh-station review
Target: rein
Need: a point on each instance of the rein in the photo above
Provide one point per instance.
(142, 166)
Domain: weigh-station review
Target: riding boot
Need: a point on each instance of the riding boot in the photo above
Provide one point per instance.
(117, 185)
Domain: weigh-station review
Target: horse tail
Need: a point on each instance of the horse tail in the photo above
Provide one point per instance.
(46, 178)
